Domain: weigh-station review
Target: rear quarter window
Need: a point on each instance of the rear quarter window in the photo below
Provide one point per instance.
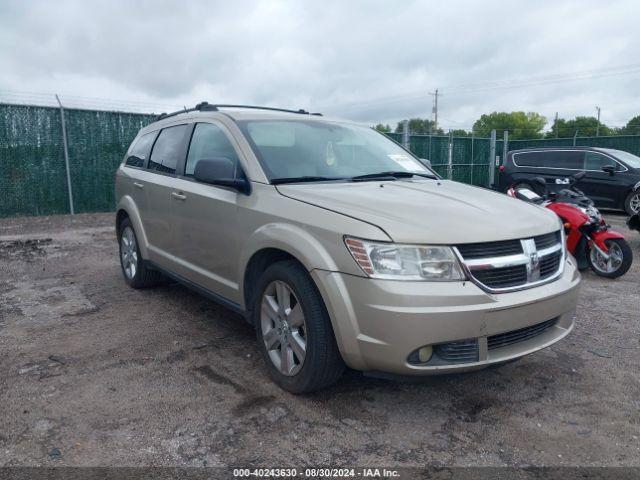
(139, 150)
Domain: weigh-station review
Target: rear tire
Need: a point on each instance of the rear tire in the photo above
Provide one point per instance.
(134, 270)
(291, 317)
(624, 258)
(632, 203)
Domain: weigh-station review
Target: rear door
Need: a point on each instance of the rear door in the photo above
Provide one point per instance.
(132, 175)
(158, 218)
(207, 237)
(603, 188)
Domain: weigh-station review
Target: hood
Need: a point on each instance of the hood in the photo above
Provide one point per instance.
(429, 211)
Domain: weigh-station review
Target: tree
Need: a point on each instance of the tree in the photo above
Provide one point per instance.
(383, 128)
(420, 126)
(460, 133)
(585, 126)
(519, 124)
(632, 127)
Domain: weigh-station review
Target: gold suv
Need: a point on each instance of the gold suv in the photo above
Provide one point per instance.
(339, 246)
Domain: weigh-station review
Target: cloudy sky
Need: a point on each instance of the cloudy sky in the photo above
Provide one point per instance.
(372, 61)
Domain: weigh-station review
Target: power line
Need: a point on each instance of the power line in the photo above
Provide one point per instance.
(77, 101)
(503, 84)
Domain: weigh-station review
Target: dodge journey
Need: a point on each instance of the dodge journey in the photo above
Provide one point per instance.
(339, 246)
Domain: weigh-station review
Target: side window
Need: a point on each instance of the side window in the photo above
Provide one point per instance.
(567, 159)
(528, 159)
(167, 148)
(595, 161)
(208, 141)
(140, 150)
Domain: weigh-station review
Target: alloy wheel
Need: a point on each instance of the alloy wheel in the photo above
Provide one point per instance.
(129, 252)
(634, 203)
(283, 328)
(612, 264)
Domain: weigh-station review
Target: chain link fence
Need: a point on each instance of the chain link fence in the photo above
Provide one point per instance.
(33, 170)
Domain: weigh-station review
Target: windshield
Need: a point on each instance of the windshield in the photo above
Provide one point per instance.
(325, 150)
(629, 158)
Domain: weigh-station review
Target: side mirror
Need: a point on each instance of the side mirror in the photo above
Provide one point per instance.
(579, 176)
(426, 162)
(610, 169)
(540, 181)
(221, 171)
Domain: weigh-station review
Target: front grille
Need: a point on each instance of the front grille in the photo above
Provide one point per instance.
(515, 336)
(502, 277)
(550, 264)
(490, 249)
(464, 351)
(548, 240)
(511, 264)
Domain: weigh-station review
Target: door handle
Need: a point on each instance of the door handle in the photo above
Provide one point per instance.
(138, 185)
(178, 196)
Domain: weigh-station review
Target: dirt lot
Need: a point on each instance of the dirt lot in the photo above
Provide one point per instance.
(95, 373)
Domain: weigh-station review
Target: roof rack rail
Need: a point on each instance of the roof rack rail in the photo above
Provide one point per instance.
(207, 107)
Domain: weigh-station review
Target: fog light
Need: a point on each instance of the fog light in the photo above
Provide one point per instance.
(420, 355)
(424, 354)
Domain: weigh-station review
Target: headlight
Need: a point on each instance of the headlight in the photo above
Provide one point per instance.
(405, 262)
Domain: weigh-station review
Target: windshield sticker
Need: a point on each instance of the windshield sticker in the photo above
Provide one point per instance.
(330, 156)
(406, 162)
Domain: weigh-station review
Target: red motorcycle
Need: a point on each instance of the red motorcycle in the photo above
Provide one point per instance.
(589, 239)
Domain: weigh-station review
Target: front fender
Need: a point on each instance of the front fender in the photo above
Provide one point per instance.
(291, 239)
(294, 240)
(127, 204)
(600, 237)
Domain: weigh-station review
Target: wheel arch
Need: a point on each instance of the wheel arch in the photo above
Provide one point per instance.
(273, 243)
(128, 209)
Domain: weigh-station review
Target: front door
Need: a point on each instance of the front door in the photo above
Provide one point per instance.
(207, 240)
(602, 187)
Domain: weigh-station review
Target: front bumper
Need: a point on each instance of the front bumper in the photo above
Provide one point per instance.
(378, 323)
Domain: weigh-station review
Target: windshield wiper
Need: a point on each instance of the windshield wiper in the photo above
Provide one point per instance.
(306, 178)
(391, 175)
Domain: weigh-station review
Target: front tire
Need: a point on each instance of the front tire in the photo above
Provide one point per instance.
(619, 262)
(632, 203)
(294, 330)
(136, 273)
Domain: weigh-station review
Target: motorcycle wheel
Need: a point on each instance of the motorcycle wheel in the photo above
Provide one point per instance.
(620, 259)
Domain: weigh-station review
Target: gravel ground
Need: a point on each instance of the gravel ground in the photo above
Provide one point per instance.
(93, 373)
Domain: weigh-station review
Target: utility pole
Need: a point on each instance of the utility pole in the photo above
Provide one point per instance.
(555, 124)
(598, 127)
(405, 134)
(434, 110)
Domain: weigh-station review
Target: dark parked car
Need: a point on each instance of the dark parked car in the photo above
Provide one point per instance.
(612, 179)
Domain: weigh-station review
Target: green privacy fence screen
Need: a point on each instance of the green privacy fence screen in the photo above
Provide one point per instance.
(32, 167)
(469, 156)
(33, 174)
(628, 143)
